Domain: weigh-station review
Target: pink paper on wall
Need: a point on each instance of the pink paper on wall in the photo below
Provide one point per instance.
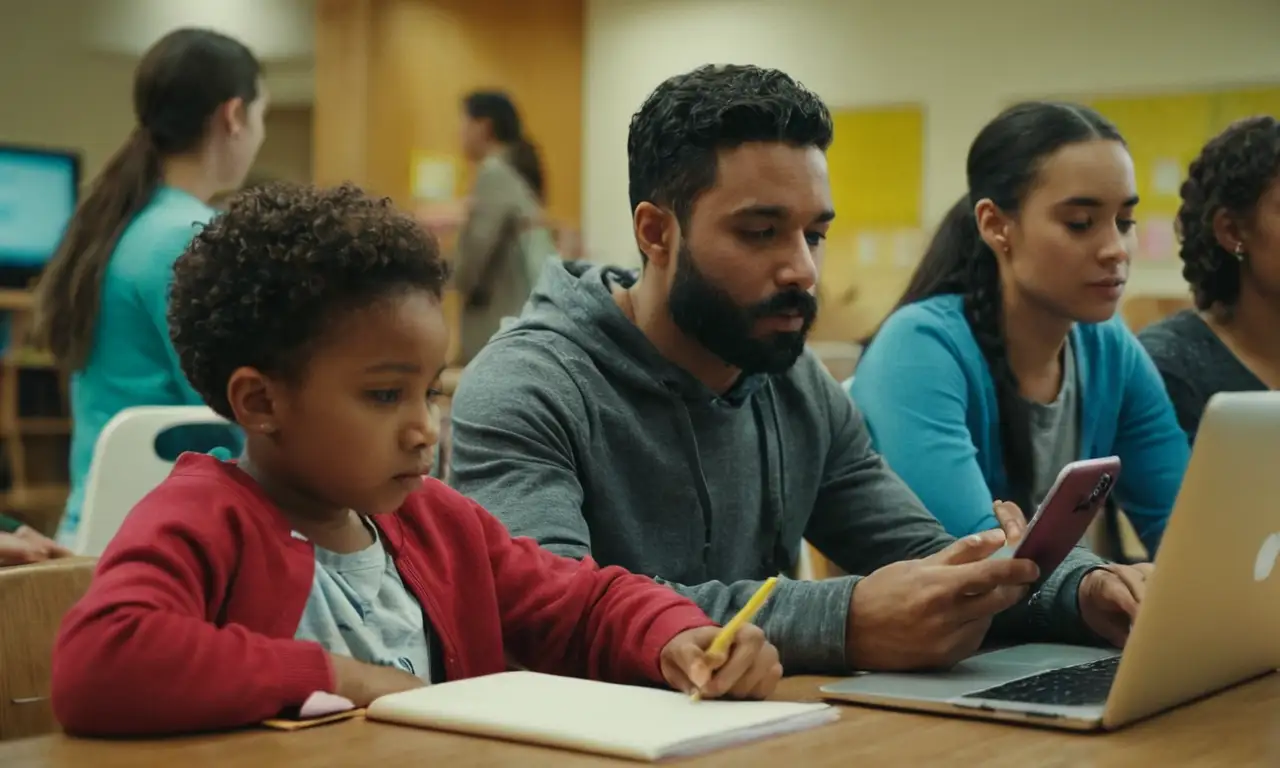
(1156, 241)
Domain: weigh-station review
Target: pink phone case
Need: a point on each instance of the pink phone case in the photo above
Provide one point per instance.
(1079, 493)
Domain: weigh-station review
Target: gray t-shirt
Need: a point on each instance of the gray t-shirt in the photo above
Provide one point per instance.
(359, 607)
(1055, 430)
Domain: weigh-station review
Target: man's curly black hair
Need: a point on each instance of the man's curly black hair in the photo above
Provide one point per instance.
(674, 138)
(1232, 172)
(260, 284)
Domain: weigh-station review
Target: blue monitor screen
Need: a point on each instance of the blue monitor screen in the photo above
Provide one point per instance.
(37, 198)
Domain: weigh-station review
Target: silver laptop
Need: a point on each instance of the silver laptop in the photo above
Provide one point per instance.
(1210, 618)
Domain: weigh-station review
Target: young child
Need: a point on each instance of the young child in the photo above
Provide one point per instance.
(323, 560)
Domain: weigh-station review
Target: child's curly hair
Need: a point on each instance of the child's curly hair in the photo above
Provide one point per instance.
(259, 285)
(1232, 172)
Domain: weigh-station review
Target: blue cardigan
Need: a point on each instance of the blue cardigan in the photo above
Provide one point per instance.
(930, 403)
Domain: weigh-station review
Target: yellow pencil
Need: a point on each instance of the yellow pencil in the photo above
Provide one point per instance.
(720, 645)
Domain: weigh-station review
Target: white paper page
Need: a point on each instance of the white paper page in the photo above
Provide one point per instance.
(626, 721)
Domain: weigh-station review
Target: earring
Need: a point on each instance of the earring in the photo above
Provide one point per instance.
(1239, 252)
(267, 428)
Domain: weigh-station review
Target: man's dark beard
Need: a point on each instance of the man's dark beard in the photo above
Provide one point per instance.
(707, 313)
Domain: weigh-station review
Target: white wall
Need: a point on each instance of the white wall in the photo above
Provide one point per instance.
(66, 66)
(276, 30)
(964, 59)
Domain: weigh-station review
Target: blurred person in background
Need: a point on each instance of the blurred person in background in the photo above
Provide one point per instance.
(503, 240)
(1229, 223)
(101, 304)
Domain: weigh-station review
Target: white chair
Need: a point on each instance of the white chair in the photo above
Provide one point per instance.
(126, 467)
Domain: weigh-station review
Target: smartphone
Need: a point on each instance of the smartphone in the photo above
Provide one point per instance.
(1079, 493)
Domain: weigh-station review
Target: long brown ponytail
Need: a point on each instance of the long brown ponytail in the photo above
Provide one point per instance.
(182, 80)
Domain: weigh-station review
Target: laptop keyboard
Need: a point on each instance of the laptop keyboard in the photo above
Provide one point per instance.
(1080, 685)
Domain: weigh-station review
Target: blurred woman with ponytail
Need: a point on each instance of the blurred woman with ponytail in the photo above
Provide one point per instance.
(503, 242)
(1004, 359)
(102, 301)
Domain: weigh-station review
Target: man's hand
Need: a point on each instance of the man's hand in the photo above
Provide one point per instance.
(1110, 597)
(934, 612)
(1012, 521)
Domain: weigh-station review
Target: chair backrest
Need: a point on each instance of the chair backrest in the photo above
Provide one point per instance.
(33, 600)
(126, 467)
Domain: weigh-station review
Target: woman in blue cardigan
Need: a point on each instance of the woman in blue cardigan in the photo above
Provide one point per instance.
(1005, 359)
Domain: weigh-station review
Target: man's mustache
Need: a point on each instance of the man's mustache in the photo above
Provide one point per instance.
(790, 301)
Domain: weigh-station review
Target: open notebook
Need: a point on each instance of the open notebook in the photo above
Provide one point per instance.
(620, 720)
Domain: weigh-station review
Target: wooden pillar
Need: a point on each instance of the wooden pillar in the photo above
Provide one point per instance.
(340, 143)
(391, 75)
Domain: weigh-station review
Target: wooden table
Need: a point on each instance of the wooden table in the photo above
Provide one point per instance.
(1238, 728)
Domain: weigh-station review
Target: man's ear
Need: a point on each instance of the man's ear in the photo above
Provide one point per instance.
(254, 399)
(657, 233)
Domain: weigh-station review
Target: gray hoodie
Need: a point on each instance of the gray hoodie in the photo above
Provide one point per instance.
(574, 430)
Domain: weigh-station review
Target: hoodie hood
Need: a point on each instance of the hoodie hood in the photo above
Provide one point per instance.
(574, 299)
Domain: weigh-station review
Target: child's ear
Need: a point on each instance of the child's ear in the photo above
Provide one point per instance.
(251, 395)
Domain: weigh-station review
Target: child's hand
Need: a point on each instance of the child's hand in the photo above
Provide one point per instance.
(751, 670)
(361, 683)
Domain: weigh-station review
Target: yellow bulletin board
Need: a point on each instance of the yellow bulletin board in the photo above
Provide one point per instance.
(876, 162)
(1165, 132)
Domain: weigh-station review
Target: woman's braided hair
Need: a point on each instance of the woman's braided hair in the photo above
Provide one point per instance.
(1002, 165)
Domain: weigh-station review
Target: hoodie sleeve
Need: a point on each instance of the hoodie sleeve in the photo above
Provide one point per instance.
(866, 517)
(571, 617)
(513, 453)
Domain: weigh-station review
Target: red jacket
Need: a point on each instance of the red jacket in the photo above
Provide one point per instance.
(189, 622)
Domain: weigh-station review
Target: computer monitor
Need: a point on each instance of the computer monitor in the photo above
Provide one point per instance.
(39, 189)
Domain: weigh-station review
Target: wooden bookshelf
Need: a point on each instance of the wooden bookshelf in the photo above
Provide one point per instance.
(33, 445)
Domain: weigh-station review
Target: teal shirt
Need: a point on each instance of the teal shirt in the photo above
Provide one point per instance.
(132, 362)
(927, 395)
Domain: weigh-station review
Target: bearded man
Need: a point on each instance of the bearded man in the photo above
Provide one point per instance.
(672, 422)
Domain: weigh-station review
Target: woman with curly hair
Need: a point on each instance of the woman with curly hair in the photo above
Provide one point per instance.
(1229, 224)
(1005, 359)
